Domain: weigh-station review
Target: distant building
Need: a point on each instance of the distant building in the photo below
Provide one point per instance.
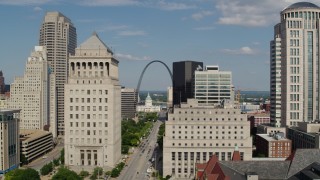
(59, 35)
(4, 101)
(259, 118)
(265, 129)
(211, 85)
(183, 75)
(93, 107)
(31, 92)
(249, 107)
(194, 132)
(169, 97)
(129, 98)
(148, 107)
(2, 84)
(306, 135)
(10, 145)
(35, 143)
(273, 145)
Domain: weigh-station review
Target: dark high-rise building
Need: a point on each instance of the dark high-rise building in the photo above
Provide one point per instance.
(2, 85)
(129, 99)
(183, 75)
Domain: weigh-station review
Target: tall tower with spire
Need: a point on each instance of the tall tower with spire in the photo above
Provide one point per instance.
(93, 107)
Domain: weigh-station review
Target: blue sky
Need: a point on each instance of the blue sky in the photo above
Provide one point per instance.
(233, 34)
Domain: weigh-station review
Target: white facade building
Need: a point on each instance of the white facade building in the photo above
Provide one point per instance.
(9, 140)
(194, 132)
(93, 107)
(148, 107)
(211, 86)
(31, 93)
(298, 34)
(59, 36)
(169, 97)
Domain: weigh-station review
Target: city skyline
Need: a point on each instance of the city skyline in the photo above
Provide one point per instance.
(169, 31)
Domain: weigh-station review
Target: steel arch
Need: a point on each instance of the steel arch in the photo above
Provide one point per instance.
(145, 68)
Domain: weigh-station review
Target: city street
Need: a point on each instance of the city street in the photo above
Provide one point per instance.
(37, 164)
(140, 160)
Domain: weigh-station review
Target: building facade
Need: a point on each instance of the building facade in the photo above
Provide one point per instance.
(265, 129)
(183, 76)
(297, 37)
(211, 85)
(169, 97)
(35, 143)
(129, 98)
(194, 132)
(148, 106)
(305, 135)
(273, 145)
(93, 107)
(2, 84)
(59, 36)
(10, 145)
(31, 93)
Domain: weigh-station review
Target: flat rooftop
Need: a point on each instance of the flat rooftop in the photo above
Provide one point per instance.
(272, 138)
(28, 135)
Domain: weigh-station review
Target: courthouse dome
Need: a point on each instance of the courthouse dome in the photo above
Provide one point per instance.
(302, 5)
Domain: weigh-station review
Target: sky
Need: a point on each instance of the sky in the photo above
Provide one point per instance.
(234, 34)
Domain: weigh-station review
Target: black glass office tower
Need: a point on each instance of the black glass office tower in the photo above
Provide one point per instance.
(183, 75)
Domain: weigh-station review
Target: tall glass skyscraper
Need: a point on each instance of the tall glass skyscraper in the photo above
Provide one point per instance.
(59, 36)
(183, 75)
(297, 69)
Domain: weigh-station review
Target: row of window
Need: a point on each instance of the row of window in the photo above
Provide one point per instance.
(89, 140)
(94, 100)
(204, 127)
(88, 108)
(88, 92)
(204, 132)
(205, 144)
(94, 116)
(77, 124)
(205, 137)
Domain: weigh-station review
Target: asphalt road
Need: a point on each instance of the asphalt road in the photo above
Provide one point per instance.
(37, 164)
(140, 160)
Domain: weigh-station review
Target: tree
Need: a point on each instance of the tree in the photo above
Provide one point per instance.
(66, 174)
(62, 156)
(46, 169)
(56, 162)
(84, 173)
(22, 174)
(23, 159)
(97, 171)
(125, 149)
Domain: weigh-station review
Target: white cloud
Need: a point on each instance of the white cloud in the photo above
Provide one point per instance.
(108, 2)
(242, 51)
(24, 2)
(132, 33)
(204, 28)
(131, 57)
(37, 9)
(171, 6)
(251, 12)
(200, 15)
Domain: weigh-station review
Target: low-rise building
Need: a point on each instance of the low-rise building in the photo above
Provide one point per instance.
(194, 132)
(35, 143)
(273, 145)
(265, 129)
(4, 101)
(9, 140)
(258, 118)
(305, 135)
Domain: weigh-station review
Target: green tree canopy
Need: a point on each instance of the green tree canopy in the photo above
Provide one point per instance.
(22, 174)
(66, 174)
